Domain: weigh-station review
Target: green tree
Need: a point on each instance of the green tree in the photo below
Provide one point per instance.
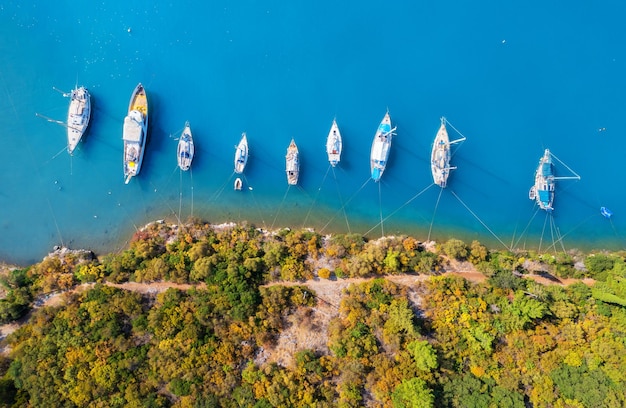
(456, 249)
(413, 393)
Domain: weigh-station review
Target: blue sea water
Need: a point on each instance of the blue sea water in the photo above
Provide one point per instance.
(514, 78)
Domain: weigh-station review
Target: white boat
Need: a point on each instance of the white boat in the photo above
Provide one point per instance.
(238, 184)
(293, 163)
(185, 149)
(135, 133)
(440, 156)
(78, 116)
(381, 147)
(241, 154)
(334, 144)
(545, 181)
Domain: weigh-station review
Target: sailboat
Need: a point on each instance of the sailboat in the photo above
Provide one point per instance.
(241, 154)
(381, 147)
(135, 132)
(545, 180)
(440, 156)
(334, 144)
(293, 163)
(186, 149)
(78, 116)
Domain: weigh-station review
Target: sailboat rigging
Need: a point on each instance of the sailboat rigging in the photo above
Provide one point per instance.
(545, 181)
(440, 156)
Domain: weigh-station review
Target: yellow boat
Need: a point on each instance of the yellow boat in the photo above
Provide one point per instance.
(135, 132)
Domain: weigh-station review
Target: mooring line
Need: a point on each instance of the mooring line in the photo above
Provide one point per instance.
(256, 203)
(552, 231)
(315, 198)
(525, 229)
(56, 224)
(479, 220)
(158, 193)
(191, 179)
(614, 229)
(220, 190)
(280, 206)
(558, 231)
(432, 221)
(180, 194)
(345, 215)
(542, 232)
(347, 202)
(572, 230)
(402, 206)
(380, 207)
(55, 156)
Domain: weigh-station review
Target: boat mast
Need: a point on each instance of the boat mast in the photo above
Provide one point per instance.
(445, 121)
(575, 175)
(58, 122)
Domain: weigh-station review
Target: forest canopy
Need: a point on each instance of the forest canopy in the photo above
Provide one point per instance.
(242, 324)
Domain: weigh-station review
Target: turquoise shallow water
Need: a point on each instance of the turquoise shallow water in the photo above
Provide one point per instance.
(513, 80)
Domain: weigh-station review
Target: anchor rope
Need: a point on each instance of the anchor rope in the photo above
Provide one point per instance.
(402, 206)
(434, 212)
(380, 210)
(280, 206)
(346, 203)
(479, 220)
(345, 215)
(316, 196)
(256, 203)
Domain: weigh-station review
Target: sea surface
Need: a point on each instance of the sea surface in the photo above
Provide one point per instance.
(513, 78)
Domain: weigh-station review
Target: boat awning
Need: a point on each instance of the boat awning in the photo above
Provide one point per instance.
(132, 130)
(376, 173)
(544, 196)
(380, 150)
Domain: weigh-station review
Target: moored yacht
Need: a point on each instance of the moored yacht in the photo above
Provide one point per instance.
(381, 145)
(135, 133)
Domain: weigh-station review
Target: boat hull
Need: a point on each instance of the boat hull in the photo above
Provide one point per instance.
(440, 157)
(334, 144)
(292, 164)
(241, 154)
(543, 189)
(135, 133)
(381, 146)
(78, 117)
(186, 148)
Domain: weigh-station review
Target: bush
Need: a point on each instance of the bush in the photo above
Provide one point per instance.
(455, 248)
(324, 273)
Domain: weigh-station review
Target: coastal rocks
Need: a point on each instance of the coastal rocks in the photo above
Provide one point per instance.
(77, 255)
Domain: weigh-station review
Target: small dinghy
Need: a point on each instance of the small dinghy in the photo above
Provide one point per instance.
(606, 213)
(238, 184)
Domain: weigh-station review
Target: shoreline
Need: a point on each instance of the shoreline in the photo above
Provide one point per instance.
(173, 222)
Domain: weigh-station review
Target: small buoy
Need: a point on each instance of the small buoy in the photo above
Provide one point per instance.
(250, 188)
(503, 41)
(129, 30)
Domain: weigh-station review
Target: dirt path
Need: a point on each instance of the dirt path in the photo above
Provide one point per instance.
(294, 338)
